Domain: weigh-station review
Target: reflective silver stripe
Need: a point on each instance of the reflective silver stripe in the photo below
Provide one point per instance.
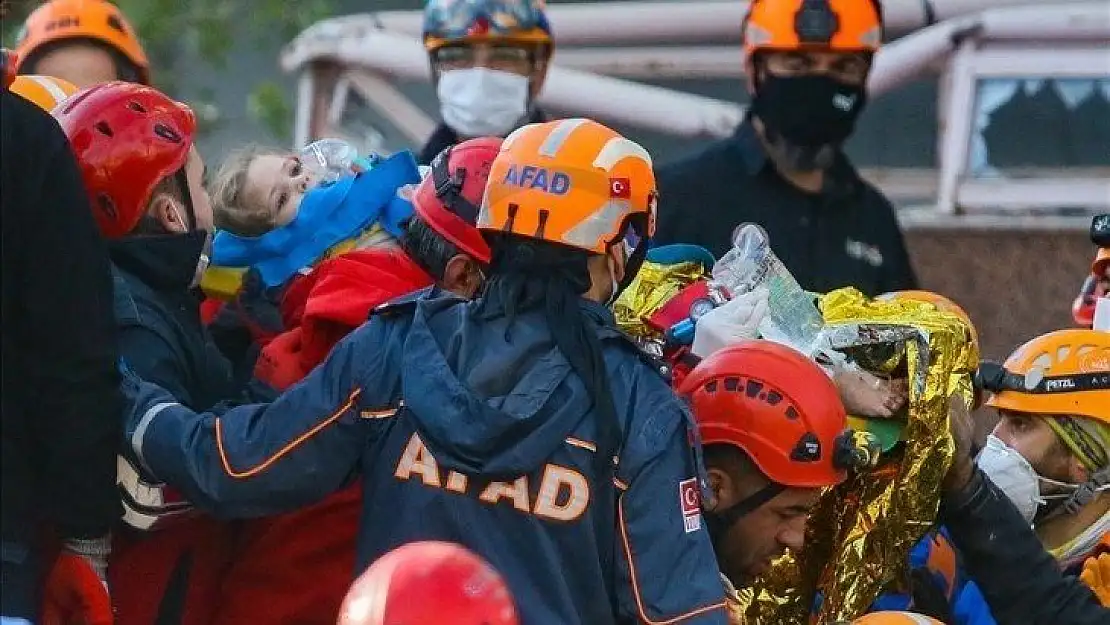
(140, 431)
(558, 137)
(53, 89)
(617, 149)
(600, 226)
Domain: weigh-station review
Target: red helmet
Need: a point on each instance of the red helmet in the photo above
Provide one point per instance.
(776, 406)
(127, 139)
(429, 582)
(448, 199)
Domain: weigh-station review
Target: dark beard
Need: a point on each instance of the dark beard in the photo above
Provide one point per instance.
(795, 157)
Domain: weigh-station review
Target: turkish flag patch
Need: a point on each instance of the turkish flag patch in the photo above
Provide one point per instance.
(689, 500)
(620, 188)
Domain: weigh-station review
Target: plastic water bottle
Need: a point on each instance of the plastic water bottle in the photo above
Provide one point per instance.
(331, 159)
(792, 318)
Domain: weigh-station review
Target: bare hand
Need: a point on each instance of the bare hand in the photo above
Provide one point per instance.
(963, 430)
(867, 395)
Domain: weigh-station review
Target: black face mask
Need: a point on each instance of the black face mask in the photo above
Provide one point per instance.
(809, 114)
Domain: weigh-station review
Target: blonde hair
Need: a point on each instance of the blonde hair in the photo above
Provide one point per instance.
(229, 210)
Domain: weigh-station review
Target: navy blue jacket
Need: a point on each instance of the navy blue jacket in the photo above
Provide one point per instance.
(473, 431)
(158, 313)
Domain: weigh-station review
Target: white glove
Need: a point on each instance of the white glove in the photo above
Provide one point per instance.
(737, 320)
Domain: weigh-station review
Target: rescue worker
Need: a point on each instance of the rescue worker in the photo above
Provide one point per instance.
(489, 59)
(523, 425)
(1097, 284)
(280, 573)
(429, 582)
(1050, 452)
(1020, 580)
(143, 175)
(85, 42)
(61, 403)
(774, 431)
(784, 168)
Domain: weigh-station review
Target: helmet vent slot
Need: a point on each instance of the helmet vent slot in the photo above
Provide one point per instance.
(136, 106)
(115, 24)
(167, 133)
(104, 128)
(106, 206)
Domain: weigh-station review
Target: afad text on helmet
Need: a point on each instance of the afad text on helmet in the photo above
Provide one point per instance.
(529, 177)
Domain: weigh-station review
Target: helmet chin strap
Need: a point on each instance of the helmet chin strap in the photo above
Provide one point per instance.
(719, 522)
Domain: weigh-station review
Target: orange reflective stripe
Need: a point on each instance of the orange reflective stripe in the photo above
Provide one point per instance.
(942, 560)
(636, 586)
(265, 464)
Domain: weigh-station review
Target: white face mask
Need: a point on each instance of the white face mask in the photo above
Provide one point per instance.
(480, 102)
(1013, 474)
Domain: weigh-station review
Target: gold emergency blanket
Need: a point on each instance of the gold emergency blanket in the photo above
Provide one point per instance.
(859, 536)
(653, 286)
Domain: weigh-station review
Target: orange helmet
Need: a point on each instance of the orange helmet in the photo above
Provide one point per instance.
(429, 582)
(1066, 372)
(573, 182)
(98, 20)
(775, 405)
(45, 91)
(896, 618)
(834, 25)
(1102, 262)
(941, 302)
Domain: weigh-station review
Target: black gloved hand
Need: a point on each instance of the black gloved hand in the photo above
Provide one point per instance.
(928, 598)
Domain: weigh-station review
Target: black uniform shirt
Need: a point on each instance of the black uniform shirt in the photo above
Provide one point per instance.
(846, 235)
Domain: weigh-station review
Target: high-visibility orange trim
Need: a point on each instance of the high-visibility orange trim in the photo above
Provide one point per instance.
(636, 587)
(581, 444)
(347, 405)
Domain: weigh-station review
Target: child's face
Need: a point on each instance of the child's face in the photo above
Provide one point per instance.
(275, 184)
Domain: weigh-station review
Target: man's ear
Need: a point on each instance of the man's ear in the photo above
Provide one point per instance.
(617, 262)
(1077, 473)
(722, 490)
(461, 276)
(164, 209)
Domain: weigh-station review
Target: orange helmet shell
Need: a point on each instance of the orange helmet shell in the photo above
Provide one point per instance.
(98, 20)
(1060, 353)
(941, 302)
(573, 182)
(828, 25)
(1102, 262)
(429, 582)
(896, 618)
(775, 405)
(45, 91)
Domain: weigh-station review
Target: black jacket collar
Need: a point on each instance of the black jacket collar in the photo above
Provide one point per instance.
(165, 262)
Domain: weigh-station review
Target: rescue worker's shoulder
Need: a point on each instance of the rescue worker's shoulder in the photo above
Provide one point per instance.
(404, 305)
(641, 381)
(642, 353)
